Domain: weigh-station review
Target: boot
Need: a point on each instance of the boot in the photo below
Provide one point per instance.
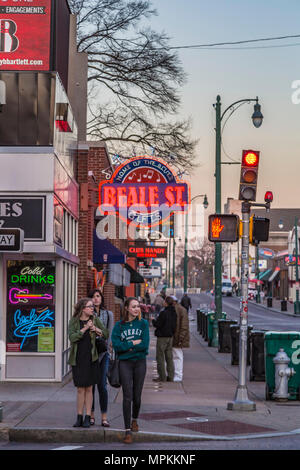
(79, 422)
(87, 421)
(134, 426)
(128, 438)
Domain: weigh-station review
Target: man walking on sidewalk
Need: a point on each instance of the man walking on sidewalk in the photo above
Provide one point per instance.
(165, 326)
(186, 302)
(181, 339)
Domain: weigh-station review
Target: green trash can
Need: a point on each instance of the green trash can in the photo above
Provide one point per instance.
(289, 341)
(210, 323)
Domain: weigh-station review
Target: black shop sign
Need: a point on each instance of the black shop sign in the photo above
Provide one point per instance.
(26, 213)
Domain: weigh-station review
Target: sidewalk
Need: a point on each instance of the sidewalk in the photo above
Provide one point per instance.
(193, 410)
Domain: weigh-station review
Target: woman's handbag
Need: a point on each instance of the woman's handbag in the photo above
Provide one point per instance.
(101, 344)
(113, 374)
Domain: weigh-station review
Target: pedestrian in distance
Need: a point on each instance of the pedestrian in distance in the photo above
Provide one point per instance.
(107, 319)
(83, 329)
(130, 340)
(181, 339)
(159, 303)
(165, 326)
(186, 302)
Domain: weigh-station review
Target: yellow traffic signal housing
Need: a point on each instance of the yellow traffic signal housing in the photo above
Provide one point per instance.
(258, 229)
(223, 228)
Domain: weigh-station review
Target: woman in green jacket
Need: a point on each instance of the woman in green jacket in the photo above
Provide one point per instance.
(83, 329)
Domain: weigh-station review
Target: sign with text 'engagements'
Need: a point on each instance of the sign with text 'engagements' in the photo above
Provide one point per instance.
(30, 306)
(25, 33)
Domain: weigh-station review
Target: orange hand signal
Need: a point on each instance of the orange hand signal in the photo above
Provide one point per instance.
(216, 227)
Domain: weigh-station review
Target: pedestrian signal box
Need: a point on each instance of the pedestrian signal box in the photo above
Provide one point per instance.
(223, 228)
(249, 174)
(258, 229)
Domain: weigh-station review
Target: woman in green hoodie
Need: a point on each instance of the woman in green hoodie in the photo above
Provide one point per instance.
(83, 329)
(130, 340)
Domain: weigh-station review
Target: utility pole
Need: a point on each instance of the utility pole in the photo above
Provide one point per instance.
(241, 401)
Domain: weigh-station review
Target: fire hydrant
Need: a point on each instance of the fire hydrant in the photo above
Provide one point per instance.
(282, 374)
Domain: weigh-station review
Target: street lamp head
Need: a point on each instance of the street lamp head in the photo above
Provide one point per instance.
(257, 116)
(205, 202)
(280, 224)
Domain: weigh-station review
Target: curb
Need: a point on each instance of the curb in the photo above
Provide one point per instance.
(42, 435)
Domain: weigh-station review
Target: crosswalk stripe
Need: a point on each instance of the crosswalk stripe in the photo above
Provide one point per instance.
(68, 448)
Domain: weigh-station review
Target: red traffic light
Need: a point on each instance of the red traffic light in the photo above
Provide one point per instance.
(250, 158)
(249, 174)
(269, 196)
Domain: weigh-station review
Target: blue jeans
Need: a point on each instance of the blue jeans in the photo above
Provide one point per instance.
(102, 385)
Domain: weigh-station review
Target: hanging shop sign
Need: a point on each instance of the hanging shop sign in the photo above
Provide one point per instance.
(145, 191)
(30, 306)
(26, 213)
(147, 251)
(25, 36)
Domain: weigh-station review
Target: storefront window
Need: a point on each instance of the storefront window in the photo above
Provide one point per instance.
(30, 306)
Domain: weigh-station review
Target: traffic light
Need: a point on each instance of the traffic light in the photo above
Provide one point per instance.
(223, 228)
(249, 174)
(258, 229)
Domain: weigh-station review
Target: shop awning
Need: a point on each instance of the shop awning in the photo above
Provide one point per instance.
(105, 252)
(274, 274)
(264, 276)
(135, 277)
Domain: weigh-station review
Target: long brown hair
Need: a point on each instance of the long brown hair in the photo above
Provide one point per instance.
(80, 306)
(126, 308)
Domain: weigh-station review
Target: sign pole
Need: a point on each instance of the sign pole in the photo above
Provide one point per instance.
(241, 401)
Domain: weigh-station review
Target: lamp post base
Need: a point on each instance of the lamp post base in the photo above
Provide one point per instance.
(241, 401)
(297, 307)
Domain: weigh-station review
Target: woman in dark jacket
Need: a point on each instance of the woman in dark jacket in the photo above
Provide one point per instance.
(107, 318)
(165, 325)
(83, 329)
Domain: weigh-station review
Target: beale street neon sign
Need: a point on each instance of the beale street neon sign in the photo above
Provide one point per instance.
(143, 191)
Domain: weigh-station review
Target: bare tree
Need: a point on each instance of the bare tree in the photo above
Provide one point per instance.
(134, 78)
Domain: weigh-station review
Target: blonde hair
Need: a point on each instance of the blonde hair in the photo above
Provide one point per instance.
(126, 308)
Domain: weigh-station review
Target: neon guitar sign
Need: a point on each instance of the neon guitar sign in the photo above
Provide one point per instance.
(16, 296)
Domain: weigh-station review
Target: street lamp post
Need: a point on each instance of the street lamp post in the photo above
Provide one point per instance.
(205, 204)
(257, 118)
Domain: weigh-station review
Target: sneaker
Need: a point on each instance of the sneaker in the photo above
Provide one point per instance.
(169, 379)
(128, 438)
(157, 379)
(134, 426)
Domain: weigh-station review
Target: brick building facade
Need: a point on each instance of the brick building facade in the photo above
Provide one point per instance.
(94, 166)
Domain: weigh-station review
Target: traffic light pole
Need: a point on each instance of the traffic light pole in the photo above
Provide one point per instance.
(241, 401)
(218, 246)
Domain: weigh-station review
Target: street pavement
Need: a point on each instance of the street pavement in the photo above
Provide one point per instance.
(195, 409)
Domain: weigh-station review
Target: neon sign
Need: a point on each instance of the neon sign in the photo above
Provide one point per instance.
(30, 304)
(16, 295)
(145, 191)
(28, 326)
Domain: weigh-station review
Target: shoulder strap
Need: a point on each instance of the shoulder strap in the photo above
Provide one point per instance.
(107, 321)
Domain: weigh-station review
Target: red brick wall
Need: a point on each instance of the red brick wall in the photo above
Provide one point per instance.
(95, 159)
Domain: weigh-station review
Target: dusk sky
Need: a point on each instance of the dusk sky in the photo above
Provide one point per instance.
(245, 72)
